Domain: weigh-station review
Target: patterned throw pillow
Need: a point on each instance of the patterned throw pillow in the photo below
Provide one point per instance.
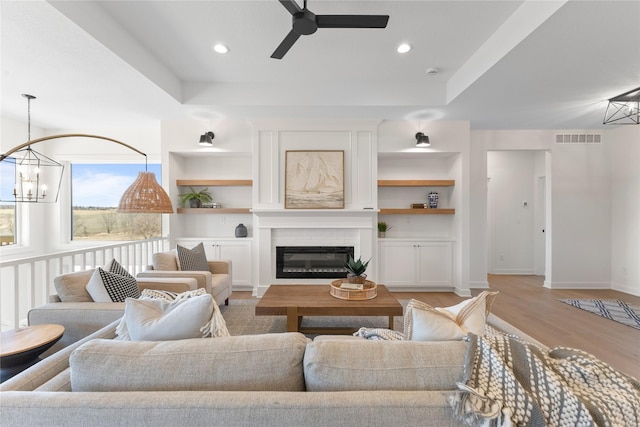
(192, 259)
(114, 267)
(423, 322)
(105, 286)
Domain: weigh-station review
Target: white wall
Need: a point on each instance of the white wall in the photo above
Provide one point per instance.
(624, 149)
(579, 229)
(229, 158)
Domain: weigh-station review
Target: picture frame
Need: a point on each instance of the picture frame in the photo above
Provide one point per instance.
(314, 179)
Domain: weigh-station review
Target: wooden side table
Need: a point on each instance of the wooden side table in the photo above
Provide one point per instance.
(20, 348)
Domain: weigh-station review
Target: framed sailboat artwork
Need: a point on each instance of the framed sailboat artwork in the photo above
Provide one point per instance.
(314, 179)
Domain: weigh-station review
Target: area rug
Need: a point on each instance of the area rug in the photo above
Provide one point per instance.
(616, 310)
(241, 320)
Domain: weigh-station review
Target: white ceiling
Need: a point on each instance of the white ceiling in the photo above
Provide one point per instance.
(503, 64)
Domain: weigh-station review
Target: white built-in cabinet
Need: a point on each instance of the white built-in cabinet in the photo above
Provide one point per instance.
(238, 250)
(415, 263)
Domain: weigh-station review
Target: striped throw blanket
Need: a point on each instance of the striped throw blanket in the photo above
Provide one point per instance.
(509, 382)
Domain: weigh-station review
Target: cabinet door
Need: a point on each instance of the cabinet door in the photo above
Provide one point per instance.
(433, 262)
(397, 264)
(239, 252)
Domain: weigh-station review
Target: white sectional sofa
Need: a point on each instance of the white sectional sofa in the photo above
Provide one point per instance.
(261, 380)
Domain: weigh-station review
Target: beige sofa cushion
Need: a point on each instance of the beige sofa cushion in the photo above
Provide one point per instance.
(71, 287)
(358, 364)
(165, 261)
(252, 363)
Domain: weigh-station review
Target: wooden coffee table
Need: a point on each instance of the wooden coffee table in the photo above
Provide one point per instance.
(20, 348)
(297, 301)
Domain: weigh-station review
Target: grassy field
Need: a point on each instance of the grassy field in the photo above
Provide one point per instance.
(96, 224)
(107, 224)
(6, 224)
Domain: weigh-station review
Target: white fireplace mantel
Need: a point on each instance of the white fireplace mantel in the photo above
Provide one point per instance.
(355, 228)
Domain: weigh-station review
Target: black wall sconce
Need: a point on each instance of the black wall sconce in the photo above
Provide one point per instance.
(422, 140)
(206, 139)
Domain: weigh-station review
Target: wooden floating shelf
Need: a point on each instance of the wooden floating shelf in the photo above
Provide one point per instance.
(213, 210)
(215, 182)
(416, 182)
(417, 211)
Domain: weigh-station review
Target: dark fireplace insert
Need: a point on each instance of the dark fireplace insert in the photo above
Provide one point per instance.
(312, 262)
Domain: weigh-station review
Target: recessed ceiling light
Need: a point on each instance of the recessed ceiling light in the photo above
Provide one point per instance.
(220, 48)
(404, 48)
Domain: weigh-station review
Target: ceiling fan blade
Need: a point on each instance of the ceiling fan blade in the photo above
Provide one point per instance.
(286, 44)
(352, 21)
(291, 6)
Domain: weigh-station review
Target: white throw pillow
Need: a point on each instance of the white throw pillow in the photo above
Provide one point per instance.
(423, 322)
(158, 320)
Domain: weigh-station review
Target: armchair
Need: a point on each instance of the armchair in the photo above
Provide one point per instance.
(217, 281)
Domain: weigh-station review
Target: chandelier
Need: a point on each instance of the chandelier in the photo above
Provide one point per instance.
(624, 109)
(38, 177)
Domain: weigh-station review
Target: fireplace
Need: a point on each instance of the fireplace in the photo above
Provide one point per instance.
(312, 262)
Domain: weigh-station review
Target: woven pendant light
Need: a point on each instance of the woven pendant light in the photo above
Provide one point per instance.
(145, 195)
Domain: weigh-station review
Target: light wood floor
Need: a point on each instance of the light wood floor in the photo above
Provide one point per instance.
(535, 310)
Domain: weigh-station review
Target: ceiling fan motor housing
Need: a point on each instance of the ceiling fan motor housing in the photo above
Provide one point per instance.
(304, 23)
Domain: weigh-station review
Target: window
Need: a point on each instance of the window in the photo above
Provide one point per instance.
(8, 224)
(95, 193)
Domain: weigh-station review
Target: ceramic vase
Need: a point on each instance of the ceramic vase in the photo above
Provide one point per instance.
(241, 230)
(433, 200)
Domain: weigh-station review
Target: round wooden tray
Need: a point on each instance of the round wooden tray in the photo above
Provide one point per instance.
(368, 292)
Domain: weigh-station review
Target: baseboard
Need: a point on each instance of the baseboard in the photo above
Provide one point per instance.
(515, 272)
(462, 292)
(576, 285)
(626, 289)
(480, 284)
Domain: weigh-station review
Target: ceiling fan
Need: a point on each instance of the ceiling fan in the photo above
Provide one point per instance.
(306, 22)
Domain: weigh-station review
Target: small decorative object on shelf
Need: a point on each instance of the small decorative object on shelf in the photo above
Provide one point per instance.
(196, 198)
(355, 270)
(433, 200)
(241, 230)
(419, 205)
(383, 227)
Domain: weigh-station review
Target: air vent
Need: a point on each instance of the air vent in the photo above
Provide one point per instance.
(579, 138)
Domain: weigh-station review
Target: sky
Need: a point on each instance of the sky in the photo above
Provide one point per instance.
(92, 184)
(7, 180)
(102, 185)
